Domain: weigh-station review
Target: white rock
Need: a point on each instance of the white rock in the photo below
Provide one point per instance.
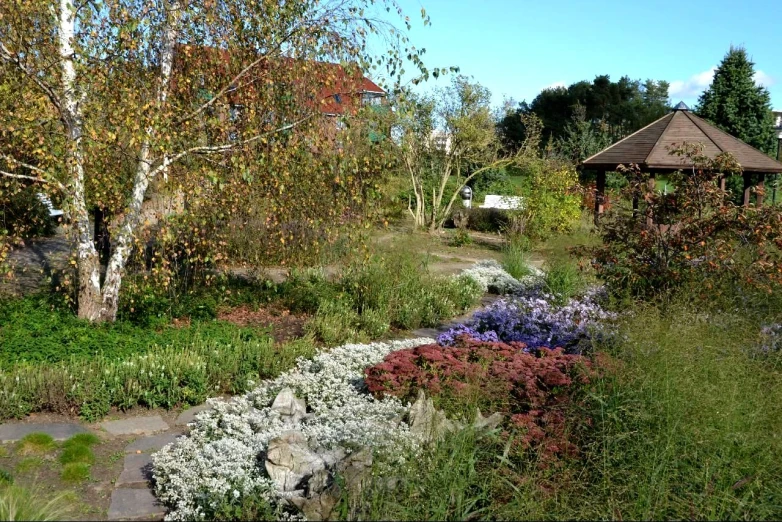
(290, 409)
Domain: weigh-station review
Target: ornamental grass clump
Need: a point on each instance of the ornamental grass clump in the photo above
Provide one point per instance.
(216, 469)
(532, 388)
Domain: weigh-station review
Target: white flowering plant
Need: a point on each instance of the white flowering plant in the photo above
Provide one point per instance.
(220, 463)
(491, 277)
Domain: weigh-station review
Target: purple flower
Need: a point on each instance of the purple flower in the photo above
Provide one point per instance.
(449, 338)
(536, 320)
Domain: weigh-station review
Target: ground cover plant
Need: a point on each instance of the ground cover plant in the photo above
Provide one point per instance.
(158, 377)
(216, 469)
(531, 386)
(35, 330)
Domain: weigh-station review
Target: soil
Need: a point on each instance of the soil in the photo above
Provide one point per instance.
(284, 325)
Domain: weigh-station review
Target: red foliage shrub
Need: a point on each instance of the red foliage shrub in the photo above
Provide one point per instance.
(532, 389)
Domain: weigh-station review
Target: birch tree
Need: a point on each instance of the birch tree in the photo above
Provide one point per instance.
(132, 93)
(446, 140)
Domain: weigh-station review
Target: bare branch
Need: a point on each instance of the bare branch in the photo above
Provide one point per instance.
(6, 55)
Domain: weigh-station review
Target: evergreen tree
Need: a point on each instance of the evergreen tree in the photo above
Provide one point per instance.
(735, 104)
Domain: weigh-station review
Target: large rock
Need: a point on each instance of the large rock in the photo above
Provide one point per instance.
(427, 422)
(290, 409)
(289, 460)
(489, 423)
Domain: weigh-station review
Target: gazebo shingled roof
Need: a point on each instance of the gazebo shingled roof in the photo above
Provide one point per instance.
(647, 147)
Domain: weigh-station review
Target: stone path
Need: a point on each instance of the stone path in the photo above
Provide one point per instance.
(132, 497)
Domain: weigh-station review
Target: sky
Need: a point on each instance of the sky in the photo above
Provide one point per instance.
(518, 47)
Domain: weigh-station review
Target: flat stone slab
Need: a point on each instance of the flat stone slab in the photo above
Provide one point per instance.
(129, 504)
(137, 469)
(151, 443)
(135, 425)
(10, 432)
(188, 416)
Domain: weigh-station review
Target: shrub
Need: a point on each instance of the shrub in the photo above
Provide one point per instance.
(552, 203)
(530, 388)
(692, 238)
(160, 377)
(6, 478)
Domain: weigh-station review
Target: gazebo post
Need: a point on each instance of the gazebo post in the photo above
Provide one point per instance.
(760, 194)
(747, 187)
(651, 183)
(600, 190)
(723, 179)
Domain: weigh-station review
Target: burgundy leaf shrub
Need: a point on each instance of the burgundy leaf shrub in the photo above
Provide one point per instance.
(533, 388)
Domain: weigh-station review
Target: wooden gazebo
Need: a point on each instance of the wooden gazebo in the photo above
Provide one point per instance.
(648, 149)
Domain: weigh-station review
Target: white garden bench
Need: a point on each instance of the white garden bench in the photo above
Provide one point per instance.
(503, 202)
(53, 212)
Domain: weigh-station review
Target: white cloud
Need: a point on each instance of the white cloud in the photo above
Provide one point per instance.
(761, 78)
(692, 86)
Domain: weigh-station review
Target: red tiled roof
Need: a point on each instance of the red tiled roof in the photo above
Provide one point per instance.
(334, 87)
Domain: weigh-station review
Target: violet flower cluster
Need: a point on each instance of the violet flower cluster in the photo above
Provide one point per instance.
(537, 320)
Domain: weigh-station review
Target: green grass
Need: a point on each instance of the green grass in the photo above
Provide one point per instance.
(81, 439)
(564, 279)
(35, 444)
(557, 248)
(75, 472)
(29, 464)
(77, 454)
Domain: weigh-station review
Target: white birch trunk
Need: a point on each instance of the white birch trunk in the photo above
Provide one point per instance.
(144, 175)
(88, 263)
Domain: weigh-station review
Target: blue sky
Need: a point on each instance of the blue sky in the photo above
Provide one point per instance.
(518, 47)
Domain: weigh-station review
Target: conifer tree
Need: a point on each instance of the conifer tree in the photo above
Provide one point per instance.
(736, 104)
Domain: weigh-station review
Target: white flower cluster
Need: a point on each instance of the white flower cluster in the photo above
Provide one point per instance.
(491, 277)
(221, 458)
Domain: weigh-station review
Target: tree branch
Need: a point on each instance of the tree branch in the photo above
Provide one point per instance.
(216, 149)
(43, 176)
